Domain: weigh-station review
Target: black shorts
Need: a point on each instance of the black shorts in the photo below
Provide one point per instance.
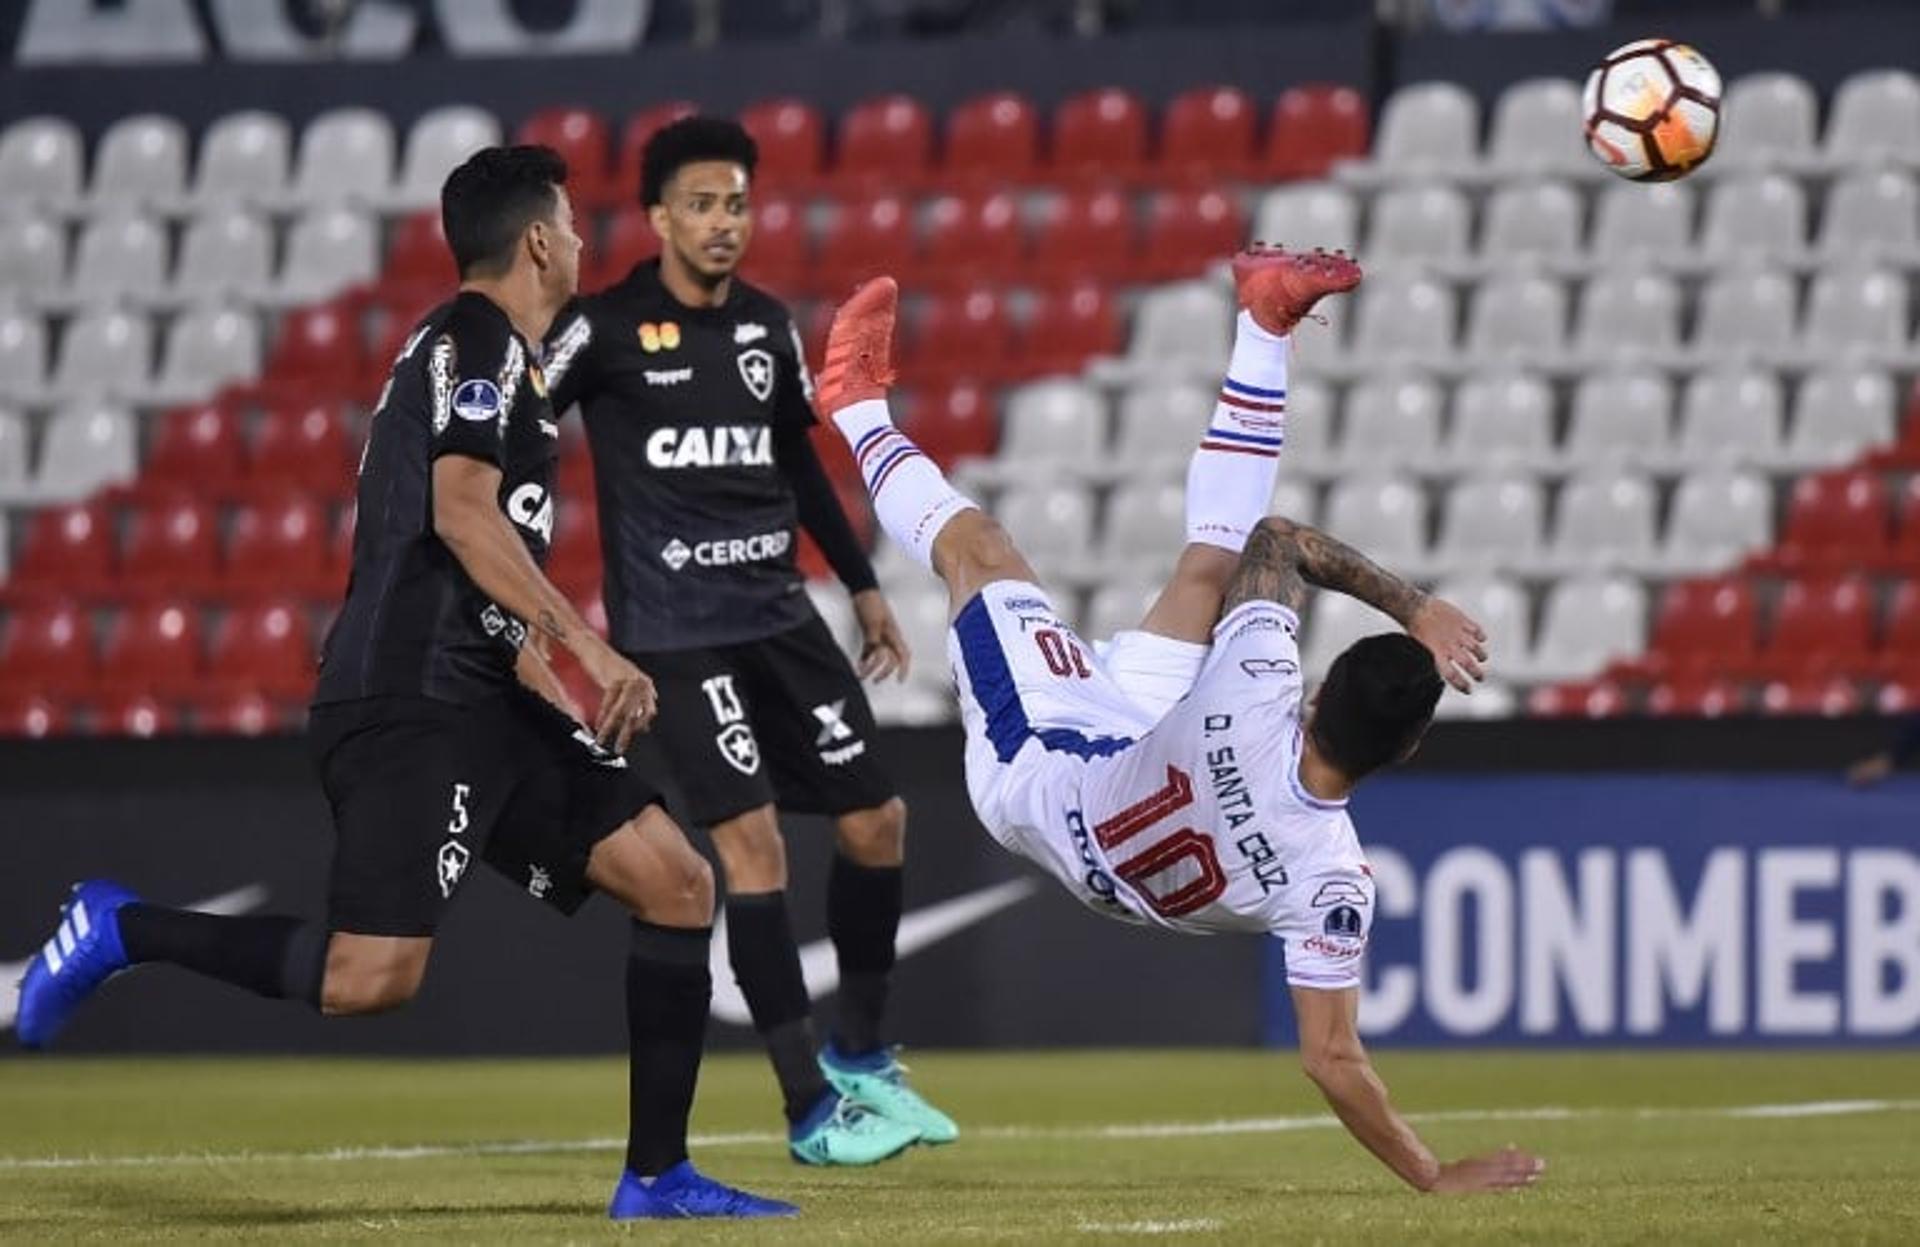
(420, 788)
(782, 720)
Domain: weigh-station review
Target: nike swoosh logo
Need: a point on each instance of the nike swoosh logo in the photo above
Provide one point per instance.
(238, 901)
(919, 928)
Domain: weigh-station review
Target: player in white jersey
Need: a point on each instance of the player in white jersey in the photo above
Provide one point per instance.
(1176, 776)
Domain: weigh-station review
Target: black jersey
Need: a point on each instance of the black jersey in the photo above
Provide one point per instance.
(414, 623)
(682, 407)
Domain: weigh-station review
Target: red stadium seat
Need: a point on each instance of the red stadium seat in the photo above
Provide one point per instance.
(781, 255)
(1069, 325)
(303, 448)
(67, 548)
(172, 547)
(958, 337)
(279, 547)
(396, 321)
(30, 716)
(792, 140)
(864, 238)
(574, 561)
(340, 546)
(972, 240)
(1905, 554)
(1900, 642)
(319, 355)
(1086, 235)
(993, 140)
(885, 142)
(581, 137)
(1207, 136)
(1835, 521)
(1313, 126)
(267, 646)
(133, 713)
(954, 423)
(630, 240)
(1694, 698)
(235, 711)
(196, 446)
(1595, 699)
(575, 478)
(1189, 230)
(1705, 625)
(1821, 626)
(1101, 136)
(640, 127)
(156, 647)
(1824, 695)
(419, 265)
(46, 648)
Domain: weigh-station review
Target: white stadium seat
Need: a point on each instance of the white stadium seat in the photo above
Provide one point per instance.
(1419, 223)
(1050, 425)
(1052, 525)
(1516, 317)
(1383, 515)
(1757, 219)
(1181, 329)
(1537, 125)
(1500, 606)
(1159, 425)
(1746, 314)
(1293, 499)
(1119, 608)
(142, 161)
(206, 348)
(1731, 415)
(1720, 515)
(122, 256)
(1538, 220)
(1145, 529)
(328, 250)
(1837, 415)
(105, 352)
(1499, 418)
(33, 254)
(1766, 119)
(1644, 221)
(438, 143)
(1404, 319)
(1312, 428)
(1872, 213)
(15, 460)
(1428, 128)
(1492, 523)
(1854, 312)
(1627, 315)
(346, 154)
(1619, 418)
(1605, 521)
(1588, 622)
(1875, 118)
(226, 251)
(245, 157)
(23, 355)
(1391, 422)
(86, 446)
(40, 162)
(1313, 215)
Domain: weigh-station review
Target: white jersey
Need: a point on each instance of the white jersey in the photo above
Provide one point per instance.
(1191, 817)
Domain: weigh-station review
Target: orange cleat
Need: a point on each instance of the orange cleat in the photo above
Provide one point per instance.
(1280, 287)
(860, 347)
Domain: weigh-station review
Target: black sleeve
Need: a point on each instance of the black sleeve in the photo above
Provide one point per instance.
(570, 358)
(819, 506)
(473, 375)
(793, 402)
(1907, 743)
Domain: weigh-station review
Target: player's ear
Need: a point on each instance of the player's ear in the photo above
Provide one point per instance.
(660, 219)
(539, 242)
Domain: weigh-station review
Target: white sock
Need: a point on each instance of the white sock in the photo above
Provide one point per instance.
(1230, 477)
(911, 496)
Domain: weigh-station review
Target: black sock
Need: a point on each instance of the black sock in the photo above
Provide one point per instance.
(863, 917)
(766, 963)
(668, 992)
(268, 955)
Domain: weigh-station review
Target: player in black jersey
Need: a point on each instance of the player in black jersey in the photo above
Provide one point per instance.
(698, 405)
(435, 727)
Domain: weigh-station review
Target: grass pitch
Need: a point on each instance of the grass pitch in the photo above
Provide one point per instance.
(1057, 1148)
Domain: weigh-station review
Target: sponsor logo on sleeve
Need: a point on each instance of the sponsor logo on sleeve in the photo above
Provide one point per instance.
(1261, 667)
(478, 400)
(1339, 892)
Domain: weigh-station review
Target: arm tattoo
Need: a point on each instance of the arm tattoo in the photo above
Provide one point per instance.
(1282, 558)
(550, 624)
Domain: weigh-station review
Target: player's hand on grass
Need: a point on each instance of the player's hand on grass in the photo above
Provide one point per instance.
(627, 697)
(1459, 644)
(883, 647)
(1505, 1170)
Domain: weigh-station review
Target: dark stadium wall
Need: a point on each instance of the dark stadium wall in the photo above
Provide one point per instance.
(1540, 883)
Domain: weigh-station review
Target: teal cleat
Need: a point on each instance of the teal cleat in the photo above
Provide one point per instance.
(879, 1082)
(840, 1132)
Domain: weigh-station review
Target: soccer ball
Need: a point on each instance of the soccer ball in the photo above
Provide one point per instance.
(1653, 110)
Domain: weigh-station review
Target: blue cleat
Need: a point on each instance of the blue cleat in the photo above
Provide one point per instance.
(684, 1191)
(83, 952)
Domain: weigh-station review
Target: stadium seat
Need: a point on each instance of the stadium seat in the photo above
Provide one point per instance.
(1837, 415)
(1619, 417)
(1294, 499)
(964, 336)
(1855, 312)
(1766, 120)
(227, 254)
(1383, 515)
(1875, 119)
(1085, 235)
(67, 547)
(1187, 231)
(1501, 607)
(1116, 608)
(1697, 697)
(1427, 129)
(955, 423)
(318, 355)
(418, 264)
(1404, 319)
(1066, 326)
(121, 256)
(1900, 642)
(41, 161)
(84, 447)
(630, 240)
(265, 645)
(1825, 696)
(1731, 415)
(1206, 136)
(782, 252)
(437, 144)
(993, 141)
(245, 159)
(792, 141)
(581, 137)
(136, 714)
(1051, 424)
(1872, 214)
(141, 159)
(1907, 534)
(1755, 219)
(1145, 530)
(1427, 223)
(1605, 521)
(1334, 622)
(1315, 215)
(970, 240)
(1537, 221)
(1627, 315)
(33, 254)
(207, 348)
(1835, 521)
(302, 448)
(156, 648)
(1516, 318)
(1821, 625)
(1745, 315)
(1391, 422)
(1588, 622)
(1314, 125)
(1719, 516)
(328, 250)
(1492, 523)
(47, 649)
(23, 355)
(197, 447)
(30, 716)
(16, 469)
(1705, 626)
(105, 352)
(279, 546)
(1099, 136)
(1645, 222)
(1536, 129)
(234, 711)
(345, 154)
(1180, 329)
(1499, 419)
(1053, 525)
(885, 143)
(864, 238)
(1312, 426)
(1159, 426)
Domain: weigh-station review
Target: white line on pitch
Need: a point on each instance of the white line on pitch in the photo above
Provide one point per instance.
(1117, 1132)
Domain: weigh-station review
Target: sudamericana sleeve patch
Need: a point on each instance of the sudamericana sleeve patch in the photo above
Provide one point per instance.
(477, 400)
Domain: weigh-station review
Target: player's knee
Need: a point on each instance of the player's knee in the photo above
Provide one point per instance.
(876, 836)
(752, 852)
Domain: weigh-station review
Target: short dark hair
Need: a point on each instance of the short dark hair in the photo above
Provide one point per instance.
(488, 202)
(1377, 699)
(687, 141)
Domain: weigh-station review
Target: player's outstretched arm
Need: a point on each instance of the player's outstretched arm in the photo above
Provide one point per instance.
(1336, 1060)
(467, 517)
(1283, 558)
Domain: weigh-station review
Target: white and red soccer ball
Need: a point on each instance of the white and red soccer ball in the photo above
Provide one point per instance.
(1652, 110)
